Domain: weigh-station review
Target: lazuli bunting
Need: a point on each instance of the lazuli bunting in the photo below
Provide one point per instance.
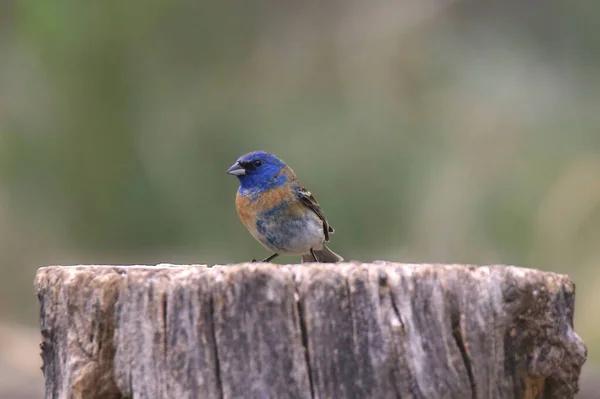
(279, 213)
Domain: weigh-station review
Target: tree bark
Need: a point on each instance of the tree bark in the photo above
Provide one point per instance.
(350, 330)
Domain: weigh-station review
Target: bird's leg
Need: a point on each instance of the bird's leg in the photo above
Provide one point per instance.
(270, 258)
(314, 255)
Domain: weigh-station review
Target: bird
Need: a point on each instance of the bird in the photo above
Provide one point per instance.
(278, 211)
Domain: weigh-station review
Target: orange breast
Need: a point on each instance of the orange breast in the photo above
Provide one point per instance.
(245, 210)
(249, 208)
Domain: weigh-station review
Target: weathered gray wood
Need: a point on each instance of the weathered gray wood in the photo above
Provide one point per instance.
(383, 330)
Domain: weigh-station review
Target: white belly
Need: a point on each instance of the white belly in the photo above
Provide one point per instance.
(290, 236)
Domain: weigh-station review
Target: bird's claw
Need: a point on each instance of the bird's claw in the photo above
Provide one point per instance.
(253, 261)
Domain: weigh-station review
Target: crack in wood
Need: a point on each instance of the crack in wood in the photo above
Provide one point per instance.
(163, 305)
(455, 327)
(304, 333)
(216, 347)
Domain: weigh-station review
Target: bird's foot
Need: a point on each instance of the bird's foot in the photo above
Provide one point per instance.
(266, 260)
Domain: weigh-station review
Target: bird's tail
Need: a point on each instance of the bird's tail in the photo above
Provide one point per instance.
(324, 255)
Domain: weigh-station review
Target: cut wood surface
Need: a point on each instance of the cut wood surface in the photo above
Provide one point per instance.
(347, 330)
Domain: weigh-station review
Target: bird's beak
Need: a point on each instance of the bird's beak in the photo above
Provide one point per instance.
(236, 170)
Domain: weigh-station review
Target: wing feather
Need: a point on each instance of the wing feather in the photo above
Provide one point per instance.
(309, 200)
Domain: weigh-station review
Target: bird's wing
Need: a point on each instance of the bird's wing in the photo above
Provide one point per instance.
(307, 199)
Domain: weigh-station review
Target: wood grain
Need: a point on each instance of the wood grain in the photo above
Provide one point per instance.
(348, 330)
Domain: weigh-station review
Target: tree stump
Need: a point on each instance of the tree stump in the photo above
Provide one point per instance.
(348, 330)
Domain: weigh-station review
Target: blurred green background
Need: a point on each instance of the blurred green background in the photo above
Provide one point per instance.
(440, 131)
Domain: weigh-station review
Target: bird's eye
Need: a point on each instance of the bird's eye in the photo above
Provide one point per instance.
(257, 163)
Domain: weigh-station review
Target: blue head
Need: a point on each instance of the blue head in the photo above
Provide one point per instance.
(258, 171)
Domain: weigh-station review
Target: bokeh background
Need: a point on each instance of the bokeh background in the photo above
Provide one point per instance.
(430, 131)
